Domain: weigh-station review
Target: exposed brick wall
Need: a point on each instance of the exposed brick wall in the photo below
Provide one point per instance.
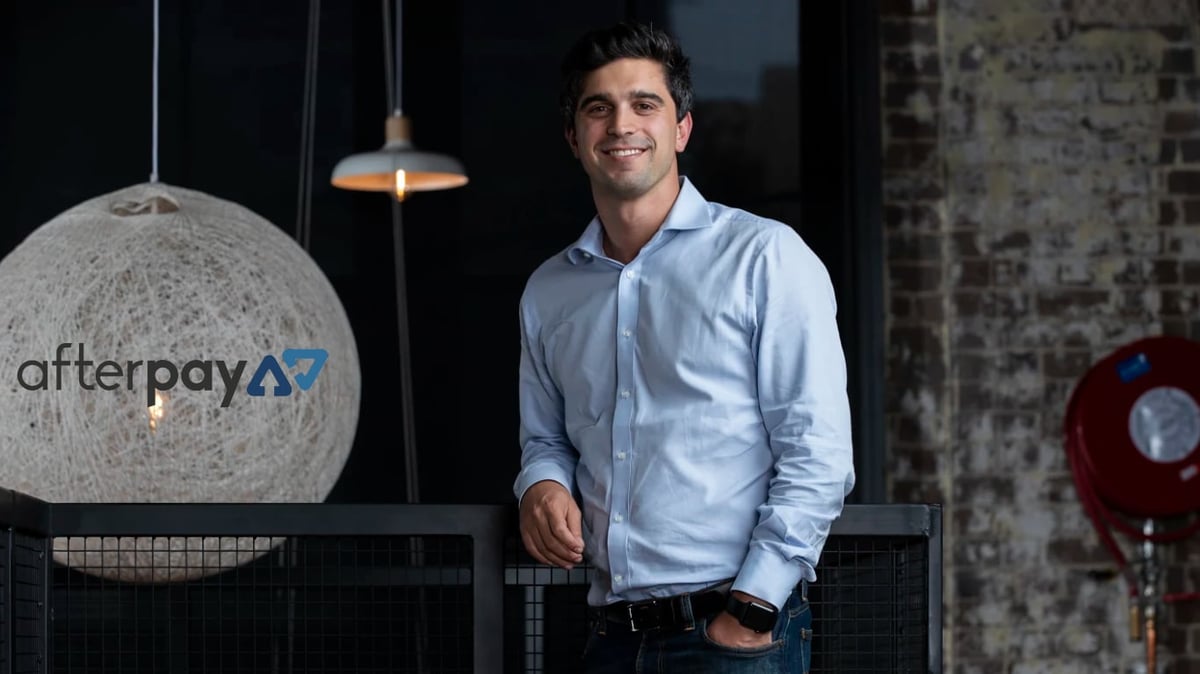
(1042, 201)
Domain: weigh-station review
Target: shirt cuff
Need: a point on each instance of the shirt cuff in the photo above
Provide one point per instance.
(770, 577)
(536, 474)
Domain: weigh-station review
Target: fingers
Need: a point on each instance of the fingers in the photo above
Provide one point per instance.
(545, 548)
(574, 523)
(533, 543)
(559, 543)
(566, 531)
(550, 527)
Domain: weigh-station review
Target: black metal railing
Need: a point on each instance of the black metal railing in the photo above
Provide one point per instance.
(24, 598)
(371, 588)
(876, 603)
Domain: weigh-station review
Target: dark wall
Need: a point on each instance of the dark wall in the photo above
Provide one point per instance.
(480, 82)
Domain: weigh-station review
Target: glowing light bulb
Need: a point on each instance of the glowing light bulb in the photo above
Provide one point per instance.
(401, 185)
(157, 411)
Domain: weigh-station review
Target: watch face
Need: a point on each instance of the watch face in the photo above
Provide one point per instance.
(752, 615)
(759, 618)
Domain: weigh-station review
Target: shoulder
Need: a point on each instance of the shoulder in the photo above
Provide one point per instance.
(541, 284)
(759, 235)
(775, 257)
(549, 270)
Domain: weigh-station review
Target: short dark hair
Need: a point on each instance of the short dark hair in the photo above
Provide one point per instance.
(598, 48)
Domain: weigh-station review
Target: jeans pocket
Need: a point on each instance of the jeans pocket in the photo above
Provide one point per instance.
(756, 652)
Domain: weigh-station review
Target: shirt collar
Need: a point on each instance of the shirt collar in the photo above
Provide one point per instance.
(690, 211)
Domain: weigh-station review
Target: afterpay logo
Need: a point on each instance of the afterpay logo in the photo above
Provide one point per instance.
(163, 375)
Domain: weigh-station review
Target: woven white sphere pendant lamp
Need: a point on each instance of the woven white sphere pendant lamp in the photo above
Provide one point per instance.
(123, 324)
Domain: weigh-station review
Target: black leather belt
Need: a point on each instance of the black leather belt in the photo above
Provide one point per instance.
(667, 613)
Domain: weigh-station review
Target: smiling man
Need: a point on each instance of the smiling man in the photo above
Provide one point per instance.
(684, 420)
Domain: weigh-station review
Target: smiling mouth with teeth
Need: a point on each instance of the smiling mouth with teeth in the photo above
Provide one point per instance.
(624, 153)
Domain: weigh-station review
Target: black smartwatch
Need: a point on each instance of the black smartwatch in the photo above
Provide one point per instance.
(753, 615)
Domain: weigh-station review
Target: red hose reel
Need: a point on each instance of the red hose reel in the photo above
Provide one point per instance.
(1133, 439)
(1133, 428)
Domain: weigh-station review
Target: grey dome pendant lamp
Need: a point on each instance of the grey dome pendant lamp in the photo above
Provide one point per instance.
(398, 167)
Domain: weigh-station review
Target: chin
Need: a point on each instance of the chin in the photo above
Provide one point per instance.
(627, 184)
(627, 190)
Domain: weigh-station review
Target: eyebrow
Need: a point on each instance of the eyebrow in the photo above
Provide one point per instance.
(633, 95)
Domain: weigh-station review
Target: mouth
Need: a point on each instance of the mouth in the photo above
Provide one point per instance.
(623, 152)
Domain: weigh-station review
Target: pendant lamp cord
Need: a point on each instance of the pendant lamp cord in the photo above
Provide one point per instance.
(391, 57)
(154, 103)
(308, 128)
(391, 47)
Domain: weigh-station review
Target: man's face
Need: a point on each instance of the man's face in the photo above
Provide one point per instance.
(625, 131)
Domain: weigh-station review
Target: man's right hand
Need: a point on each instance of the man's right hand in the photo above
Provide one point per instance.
(550, 525)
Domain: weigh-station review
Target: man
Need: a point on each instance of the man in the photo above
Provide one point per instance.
(682, 376)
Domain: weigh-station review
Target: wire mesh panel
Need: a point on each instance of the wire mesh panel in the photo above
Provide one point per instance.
(871, 606)
(545, 613)
(876, 598)
(304, 604)
(28, 597)
(869, 610)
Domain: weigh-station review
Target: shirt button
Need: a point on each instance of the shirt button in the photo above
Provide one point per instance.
(630, 274)
(627, 332)
(617, 578)
(625, 393)
(587, 256)
(618, 519)
(621, 456)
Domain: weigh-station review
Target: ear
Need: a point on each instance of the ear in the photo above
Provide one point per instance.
(683, 131)
(569, 134)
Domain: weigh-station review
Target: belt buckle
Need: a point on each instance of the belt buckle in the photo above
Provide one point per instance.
(640, 608)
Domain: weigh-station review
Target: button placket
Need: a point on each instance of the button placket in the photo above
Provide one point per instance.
(622, 477)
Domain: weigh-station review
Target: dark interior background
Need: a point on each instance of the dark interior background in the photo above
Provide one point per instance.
(786, 126)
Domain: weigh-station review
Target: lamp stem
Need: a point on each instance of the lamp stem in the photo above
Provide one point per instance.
(411, 482)
(308, 127)
(389, 75)
(154, 102)
(398, 104)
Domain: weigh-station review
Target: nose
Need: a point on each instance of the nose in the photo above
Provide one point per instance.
(622, 122)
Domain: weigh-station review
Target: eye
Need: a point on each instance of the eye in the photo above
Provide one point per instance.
(597, 109)
(644, 107)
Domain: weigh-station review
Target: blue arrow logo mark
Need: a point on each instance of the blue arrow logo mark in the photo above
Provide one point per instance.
(283, 387)
(305, 380)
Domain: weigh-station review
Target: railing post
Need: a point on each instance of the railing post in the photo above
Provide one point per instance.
(935, 589)
(8, 635)
(488, 586)
(47, 608)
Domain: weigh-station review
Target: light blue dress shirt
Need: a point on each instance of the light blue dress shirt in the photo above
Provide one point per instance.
(694, 400)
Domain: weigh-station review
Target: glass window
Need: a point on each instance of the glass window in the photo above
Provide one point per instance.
(745, 148)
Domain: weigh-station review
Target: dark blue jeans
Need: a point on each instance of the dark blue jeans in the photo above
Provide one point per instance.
(613, 650)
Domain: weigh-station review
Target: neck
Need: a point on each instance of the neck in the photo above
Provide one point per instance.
(630, 223)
